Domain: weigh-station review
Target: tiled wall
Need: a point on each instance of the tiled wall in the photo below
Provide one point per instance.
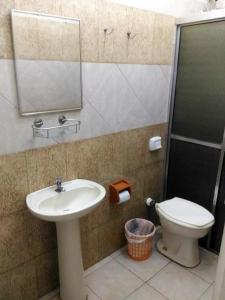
(126, 93)
(28, 256)
(116, 97)
(154, 32)
(120, 77)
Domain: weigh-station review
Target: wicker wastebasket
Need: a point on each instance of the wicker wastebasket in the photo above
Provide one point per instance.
(139, 234)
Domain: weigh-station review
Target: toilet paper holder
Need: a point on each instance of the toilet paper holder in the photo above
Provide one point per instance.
(117, 187)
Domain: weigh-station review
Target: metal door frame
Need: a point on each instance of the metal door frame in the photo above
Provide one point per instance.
(171, 136)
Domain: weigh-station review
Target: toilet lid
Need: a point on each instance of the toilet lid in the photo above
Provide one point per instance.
(186, 211)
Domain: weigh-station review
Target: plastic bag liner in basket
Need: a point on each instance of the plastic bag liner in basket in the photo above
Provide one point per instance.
(139, 234)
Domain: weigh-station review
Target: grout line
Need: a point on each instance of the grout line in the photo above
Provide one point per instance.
(205, 291)
(199, 276)
(100, 115)
(145, 281)
(158, 272)
(159, 292)
(106, 263)
(129, 271)
(131, 88)
(134, 291)
(93, 292)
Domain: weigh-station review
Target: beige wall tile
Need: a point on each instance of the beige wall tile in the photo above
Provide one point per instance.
(22, 283)
(164, 28)
(152, 44)
(153, 180)
(42, 235)
(14, 247)
(140, 44)
(44, 165)
(45, 39)
(4, 288)
(105, 159)
(47, 273)
(13, 182)
(90, 247)
(19, 284)
(5, 29)
(111, 237)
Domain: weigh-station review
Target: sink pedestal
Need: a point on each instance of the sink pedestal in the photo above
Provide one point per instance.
(70, 261)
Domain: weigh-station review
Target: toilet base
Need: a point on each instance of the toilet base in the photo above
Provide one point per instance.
(182, 250)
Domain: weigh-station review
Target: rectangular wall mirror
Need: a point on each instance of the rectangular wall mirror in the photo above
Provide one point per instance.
(47, 55)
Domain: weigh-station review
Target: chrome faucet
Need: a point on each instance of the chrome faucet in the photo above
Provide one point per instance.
(59, 187)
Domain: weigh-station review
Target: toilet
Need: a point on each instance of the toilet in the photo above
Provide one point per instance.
(183, 223)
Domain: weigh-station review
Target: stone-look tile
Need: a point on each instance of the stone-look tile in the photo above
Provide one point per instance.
(13, 182)
(73, 159)
(164, 27)
(95, 159)
(145, 292)
(144, 269)
(153, 181)
(89, 30)
(14, 246)
(19, 284)
(42, 235)
(140, 45)
(113, 47)
(90, 247)
(177, 283)
(208, 295)
(112, 281)
(100, 215)
(152, 43)
(47, 273)
(44, 165)
(207, 268)
(111, 237)
(4, 289)
(137, 151)
(5, 33)
(98, 265)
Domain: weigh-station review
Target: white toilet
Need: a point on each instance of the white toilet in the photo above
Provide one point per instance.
(183, 223)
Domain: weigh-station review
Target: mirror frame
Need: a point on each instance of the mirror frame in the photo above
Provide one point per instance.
(33, 113)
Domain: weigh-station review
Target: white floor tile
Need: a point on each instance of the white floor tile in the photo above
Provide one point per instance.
(118, 252)
(208, 294)
(143, 269)
(207, 267)
(176, 283)
(145, 292)
(97, 266)
(112, 282)
(91, 295)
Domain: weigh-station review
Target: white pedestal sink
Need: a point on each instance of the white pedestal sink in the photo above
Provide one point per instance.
(65, 208)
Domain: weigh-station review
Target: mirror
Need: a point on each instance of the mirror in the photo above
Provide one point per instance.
(47, 59)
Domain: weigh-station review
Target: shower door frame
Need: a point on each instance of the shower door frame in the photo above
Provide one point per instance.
(170, 136)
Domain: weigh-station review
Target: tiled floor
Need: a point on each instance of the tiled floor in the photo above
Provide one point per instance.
(118, 277)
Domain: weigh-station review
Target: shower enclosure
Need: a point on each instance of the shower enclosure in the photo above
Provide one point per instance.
(195, 167)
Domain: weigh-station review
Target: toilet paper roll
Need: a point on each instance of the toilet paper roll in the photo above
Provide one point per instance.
(124, 197)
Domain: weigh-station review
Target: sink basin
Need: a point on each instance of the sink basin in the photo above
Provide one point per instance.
(78, 198)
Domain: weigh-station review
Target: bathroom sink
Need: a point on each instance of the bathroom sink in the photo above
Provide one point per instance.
(64, 204)
(78, 198)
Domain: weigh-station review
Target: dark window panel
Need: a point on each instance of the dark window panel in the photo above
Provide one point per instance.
(200, 88)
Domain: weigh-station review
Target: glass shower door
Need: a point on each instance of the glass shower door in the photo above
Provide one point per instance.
(195, 157)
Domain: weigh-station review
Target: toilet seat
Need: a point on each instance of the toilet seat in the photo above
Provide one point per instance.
(185, 213)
